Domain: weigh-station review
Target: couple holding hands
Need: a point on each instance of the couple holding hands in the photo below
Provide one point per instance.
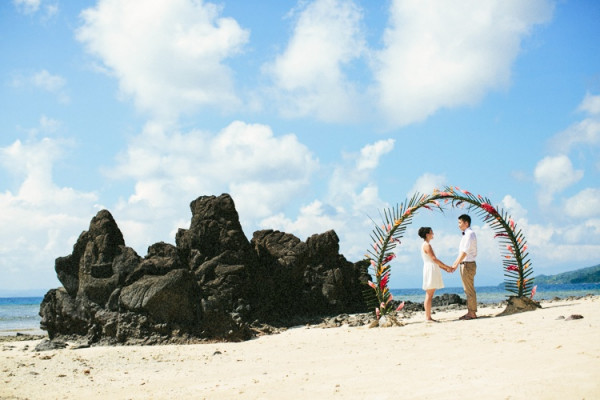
(432, 276)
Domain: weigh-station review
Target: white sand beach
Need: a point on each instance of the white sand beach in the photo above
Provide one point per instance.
(531, 355)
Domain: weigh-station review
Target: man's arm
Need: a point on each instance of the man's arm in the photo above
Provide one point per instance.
(461, 256)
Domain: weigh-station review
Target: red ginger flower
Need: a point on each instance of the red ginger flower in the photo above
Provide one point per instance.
(384, 281)
(489, 208)
(389, 258)
(512, 268)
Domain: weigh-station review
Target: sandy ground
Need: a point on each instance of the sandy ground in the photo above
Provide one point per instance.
(532, 355)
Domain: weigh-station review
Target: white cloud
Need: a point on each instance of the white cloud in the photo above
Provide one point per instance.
(370, 154)
(47, 81)
(585, 132)
(44, 80)
(309, 75)
(44, 219)
(351, 179)
(554, 174)
(167, 54)
(27, 6)
(427, 182)
(513, 207)
(584, 204)
(449, 54)
(351, 200)
(262, 172)
(590, 104)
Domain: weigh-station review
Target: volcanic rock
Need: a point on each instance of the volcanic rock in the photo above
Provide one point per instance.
(212, 284)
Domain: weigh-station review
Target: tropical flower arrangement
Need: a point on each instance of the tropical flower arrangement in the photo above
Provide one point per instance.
(385, 237)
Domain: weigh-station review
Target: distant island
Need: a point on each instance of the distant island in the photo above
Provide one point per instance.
(583, 275)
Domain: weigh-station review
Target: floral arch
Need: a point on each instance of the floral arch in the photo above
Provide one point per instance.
(515, 261)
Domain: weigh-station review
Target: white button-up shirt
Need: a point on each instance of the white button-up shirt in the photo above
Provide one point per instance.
(468, 245)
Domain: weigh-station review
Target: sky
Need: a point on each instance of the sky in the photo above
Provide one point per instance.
(313, 115)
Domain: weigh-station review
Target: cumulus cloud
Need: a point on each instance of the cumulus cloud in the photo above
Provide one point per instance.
(590, 104)
(449, 54)
(169, 55)
(556, 173)
(584, 204)
(350, 201)
(351, 179)
(27, 6)
(262, 171)
(46, 81)
(427, 182)
(585, 132)
(42, 220)
(514, 208)
(308, 75)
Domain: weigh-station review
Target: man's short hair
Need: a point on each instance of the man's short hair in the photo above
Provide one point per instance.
(465, 218)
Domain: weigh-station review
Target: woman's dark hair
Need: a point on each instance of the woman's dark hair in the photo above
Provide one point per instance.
(423, 231)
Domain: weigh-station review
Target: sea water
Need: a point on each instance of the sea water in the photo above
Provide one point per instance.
(21, 314)
(496, 294)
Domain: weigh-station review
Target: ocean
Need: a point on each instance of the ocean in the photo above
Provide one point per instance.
(21, 314)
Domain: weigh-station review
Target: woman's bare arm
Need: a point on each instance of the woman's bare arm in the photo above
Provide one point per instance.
(429, 251)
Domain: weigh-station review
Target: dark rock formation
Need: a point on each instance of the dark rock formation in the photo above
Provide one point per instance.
(447, 299)
(517, 304)
(213, 284)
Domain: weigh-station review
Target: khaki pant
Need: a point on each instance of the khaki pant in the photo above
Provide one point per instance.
(467, 273)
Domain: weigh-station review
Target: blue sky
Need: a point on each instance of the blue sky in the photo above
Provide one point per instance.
(313, 115)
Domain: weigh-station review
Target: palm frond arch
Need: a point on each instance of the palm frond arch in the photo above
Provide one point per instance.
(385, 237)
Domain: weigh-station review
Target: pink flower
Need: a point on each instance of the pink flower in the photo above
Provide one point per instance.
(512, 223)
(437, 203)
(426, 206)
(372, 285)
(524, 248)
(509, 248)
(533, 291)
(377, 313)
(512, 268)
(479, 196)
(389, 299)
(400, 307)
(373, 263)
(466, 192)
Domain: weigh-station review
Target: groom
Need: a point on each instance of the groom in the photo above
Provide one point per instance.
(467, 251)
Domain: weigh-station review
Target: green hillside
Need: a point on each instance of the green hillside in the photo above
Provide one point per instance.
(583, 275)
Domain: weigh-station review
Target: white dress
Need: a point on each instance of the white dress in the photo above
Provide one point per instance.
(432, 274)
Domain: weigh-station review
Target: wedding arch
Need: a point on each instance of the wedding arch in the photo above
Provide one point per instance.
(515, 261)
